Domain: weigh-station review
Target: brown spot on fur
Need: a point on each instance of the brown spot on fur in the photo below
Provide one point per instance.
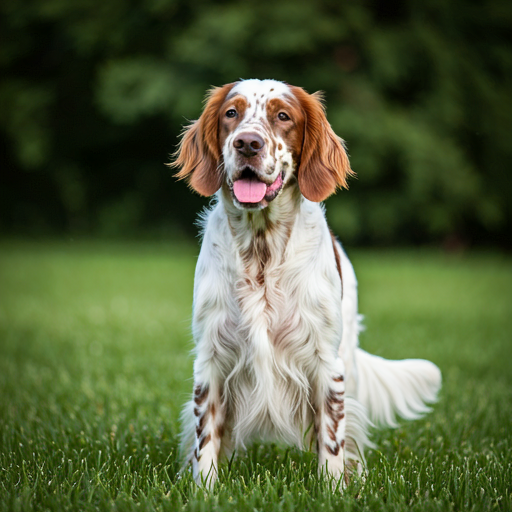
(202, 421)
(332, 433)
(212, 409)
(279, 146)
(334, 407)
(337, 419)
(334, 397)
(200, 394)
(260, 277)
(338, 379)
(258, 252)
(292, 133)
(333, 451)
(343, 443)
(330, 410)
(197, 411)
(205, 440)
(338, 263)
(220, 431)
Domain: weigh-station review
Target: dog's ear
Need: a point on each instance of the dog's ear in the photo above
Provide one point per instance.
(198, 154)
(324, 164)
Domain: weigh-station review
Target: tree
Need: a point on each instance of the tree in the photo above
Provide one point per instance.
(94, 94)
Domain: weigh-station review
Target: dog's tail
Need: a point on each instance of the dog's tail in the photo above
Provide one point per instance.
(389, 388)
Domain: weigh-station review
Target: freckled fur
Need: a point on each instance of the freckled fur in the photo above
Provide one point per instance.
(276, 342)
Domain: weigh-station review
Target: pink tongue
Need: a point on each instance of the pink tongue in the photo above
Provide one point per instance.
(249, 190)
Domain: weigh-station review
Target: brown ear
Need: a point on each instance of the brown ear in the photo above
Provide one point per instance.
(324, 164)
(198, 155)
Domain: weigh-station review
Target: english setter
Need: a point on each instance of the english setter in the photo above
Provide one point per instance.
(275, 318)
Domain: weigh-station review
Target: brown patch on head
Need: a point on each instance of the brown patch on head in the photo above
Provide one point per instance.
(228, 124)
(324, 164)
(292, 130)
(198, 155)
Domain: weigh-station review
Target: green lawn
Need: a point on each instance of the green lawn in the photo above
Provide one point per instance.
(95, 365)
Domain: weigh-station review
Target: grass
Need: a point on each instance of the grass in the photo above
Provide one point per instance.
(95, 365)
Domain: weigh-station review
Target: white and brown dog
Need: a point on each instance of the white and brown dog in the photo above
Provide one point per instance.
(275, 317)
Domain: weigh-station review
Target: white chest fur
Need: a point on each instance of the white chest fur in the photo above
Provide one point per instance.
(265, 322)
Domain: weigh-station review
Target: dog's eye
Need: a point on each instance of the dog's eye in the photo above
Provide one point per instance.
(231, 113)
(283, 117)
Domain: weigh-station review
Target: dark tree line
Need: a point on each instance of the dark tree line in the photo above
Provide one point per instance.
(93, 96)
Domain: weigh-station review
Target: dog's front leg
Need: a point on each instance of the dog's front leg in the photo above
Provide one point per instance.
(209, 422)
(330, 422)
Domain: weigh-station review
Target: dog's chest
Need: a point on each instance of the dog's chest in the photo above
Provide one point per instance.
(289, 301)
(289, 322)
(268, 311)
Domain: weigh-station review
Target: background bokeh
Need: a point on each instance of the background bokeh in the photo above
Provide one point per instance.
(94, 94)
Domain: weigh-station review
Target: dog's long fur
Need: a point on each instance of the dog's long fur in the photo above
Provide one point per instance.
(275, 297)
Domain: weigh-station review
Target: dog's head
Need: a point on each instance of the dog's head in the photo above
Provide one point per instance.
(256, 136)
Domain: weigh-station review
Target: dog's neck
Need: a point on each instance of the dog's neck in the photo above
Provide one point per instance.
(267, 230)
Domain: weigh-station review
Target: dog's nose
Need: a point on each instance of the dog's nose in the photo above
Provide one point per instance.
(248, 144)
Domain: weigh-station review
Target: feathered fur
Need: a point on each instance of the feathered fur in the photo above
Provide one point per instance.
(275, 318)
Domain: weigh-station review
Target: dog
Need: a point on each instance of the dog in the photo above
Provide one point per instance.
(275, 318)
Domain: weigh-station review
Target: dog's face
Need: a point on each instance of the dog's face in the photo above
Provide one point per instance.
(261, 130)
(256, 136)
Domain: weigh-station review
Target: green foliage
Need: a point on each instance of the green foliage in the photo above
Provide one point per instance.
(95, 367)
(421, 91)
